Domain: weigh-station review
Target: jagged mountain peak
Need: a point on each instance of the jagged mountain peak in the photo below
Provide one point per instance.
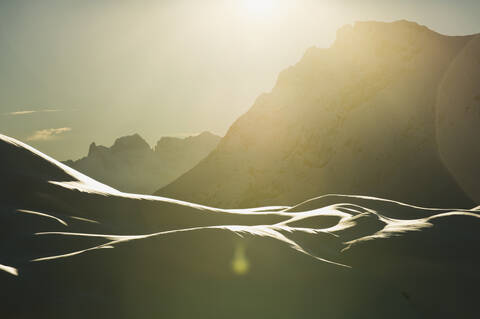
(383, 39)
(132, 166)
(95, 149)
(130, 142)
(378, 28)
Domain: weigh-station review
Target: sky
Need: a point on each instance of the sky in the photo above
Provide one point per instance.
(77, 71)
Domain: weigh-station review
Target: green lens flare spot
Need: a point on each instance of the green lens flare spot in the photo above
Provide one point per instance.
(240, 264)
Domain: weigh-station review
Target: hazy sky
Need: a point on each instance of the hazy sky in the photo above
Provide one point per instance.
(77, 71)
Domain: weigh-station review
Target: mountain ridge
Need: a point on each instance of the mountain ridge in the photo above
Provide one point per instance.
(131, 165)
(342, 120)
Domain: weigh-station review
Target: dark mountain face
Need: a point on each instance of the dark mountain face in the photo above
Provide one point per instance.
(356, 118)
(130, 164)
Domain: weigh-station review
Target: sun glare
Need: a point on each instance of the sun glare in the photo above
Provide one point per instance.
(258, 7)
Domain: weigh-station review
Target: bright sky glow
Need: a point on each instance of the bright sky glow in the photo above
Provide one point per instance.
(259, 7)
(162, 68)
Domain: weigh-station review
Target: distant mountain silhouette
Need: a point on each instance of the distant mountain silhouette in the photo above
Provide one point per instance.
(356, 118)
(130, 164)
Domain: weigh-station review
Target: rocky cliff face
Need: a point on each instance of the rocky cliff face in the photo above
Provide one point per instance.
(130, 164)
(356, 118)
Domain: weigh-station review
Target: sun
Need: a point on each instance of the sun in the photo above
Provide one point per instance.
(258, 7)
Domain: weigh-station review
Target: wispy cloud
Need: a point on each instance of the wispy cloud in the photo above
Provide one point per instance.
(25, 112)
(48, 134)
(21, 113)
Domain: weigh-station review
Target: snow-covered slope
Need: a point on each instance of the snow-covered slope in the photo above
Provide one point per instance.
(73, 247)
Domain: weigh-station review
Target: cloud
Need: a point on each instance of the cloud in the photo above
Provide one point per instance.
(21, 112)
(24, 112)
(48, 134)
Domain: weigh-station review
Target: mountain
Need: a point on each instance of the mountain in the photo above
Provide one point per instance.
(132, 166)
(72, 247)
(458, 118)
(359, 117)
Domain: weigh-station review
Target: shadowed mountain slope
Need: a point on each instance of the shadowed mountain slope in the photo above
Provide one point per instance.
(356, 118)
(132, 166)
(458, 118)
(74, 248)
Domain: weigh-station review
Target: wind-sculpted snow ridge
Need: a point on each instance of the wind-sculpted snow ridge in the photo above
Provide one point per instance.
(340, 222)
(349, 217)
(9, 270)
(80, 181)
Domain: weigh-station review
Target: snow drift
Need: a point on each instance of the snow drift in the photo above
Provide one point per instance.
(68, 237)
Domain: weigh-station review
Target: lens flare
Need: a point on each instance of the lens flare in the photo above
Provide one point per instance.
(240, 264)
